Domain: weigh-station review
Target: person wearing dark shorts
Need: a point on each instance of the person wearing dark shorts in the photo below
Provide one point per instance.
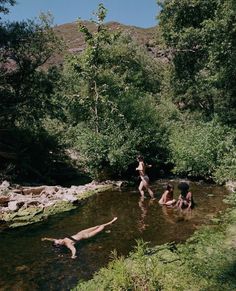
(70, 241)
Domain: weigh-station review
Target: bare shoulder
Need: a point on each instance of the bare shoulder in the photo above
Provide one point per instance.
(189, 194)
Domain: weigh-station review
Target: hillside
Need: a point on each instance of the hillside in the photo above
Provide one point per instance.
(74, 39)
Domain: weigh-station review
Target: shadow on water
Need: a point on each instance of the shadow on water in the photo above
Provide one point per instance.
(27, 263)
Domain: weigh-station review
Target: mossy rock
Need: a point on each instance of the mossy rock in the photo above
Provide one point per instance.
(34, 214)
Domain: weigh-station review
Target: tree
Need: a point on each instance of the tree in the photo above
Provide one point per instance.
(26, 95)
(201, 35)
(112, 90)
(3, 3)
(25, 86)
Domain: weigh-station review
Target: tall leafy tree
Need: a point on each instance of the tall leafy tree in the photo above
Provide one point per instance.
(25, 86)
(112, 88)
(26, 94)
(201, 37)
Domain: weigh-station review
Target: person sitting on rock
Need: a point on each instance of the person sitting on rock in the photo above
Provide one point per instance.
(70, 241)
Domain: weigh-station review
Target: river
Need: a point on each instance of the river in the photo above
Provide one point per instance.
(27, 263)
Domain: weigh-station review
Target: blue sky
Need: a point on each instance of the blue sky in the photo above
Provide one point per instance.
(140, 13)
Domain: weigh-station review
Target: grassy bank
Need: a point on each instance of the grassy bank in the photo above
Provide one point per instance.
(207, 261)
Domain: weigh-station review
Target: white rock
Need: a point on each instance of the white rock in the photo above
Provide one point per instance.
(69, 197)
(5, 185)
(13, 205)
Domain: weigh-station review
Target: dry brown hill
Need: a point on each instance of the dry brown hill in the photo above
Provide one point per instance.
(74, 39)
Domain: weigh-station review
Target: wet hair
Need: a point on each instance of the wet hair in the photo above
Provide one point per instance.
(169, 187)
(183, 187)
(140, 158)
(57, 245)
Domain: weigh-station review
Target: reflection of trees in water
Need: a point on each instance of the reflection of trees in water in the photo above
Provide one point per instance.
(144, 209)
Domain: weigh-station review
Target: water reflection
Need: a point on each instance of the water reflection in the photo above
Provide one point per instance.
(168, 214)
(142, 225)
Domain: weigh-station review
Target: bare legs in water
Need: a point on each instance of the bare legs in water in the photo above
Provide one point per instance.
(144, 184)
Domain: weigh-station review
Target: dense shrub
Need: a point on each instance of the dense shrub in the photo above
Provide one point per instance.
(227, 167)
(107, 153)
(203, 149)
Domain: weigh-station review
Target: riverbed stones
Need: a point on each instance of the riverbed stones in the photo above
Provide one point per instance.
(4, 200)
(4, 185)
(26, 205)
(13, 205)
(4, 188)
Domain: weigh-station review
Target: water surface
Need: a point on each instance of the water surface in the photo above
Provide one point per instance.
(27, 263)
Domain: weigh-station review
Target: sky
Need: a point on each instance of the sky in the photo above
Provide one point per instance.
(141, 13)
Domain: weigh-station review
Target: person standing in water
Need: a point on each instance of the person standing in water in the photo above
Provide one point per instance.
(70, 241)
(144, 183)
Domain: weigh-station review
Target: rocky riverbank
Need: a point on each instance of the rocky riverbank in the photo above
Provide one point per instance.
(20, 206)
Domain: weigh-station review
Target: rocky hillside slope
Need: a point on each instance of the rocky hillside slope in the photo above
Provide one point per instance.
(74, 39)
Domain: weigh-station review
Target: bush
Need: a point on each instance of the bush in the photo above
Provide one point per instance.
(227, 167)
(106, 153)
(203, 149)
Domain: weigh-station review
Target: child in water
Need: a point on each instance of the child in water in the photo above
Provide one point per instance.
(167, 197)
(185, 198)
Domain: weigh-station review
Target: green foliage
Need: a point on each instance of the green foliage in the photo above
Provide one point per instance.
(227, 166)
(3, 3)
(201, 36)
(113, 100)
(200, 149)
(28, 154)
(112, 90)
(106, 153)
(27, 98)
(25, 88)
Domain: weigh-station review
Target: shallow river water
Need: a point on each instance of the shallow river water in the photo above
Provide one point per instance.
(27, 263)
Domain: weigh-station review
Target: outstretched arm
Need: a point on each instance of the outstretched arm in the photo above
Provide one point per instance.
(47, 238)
(71, 247)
